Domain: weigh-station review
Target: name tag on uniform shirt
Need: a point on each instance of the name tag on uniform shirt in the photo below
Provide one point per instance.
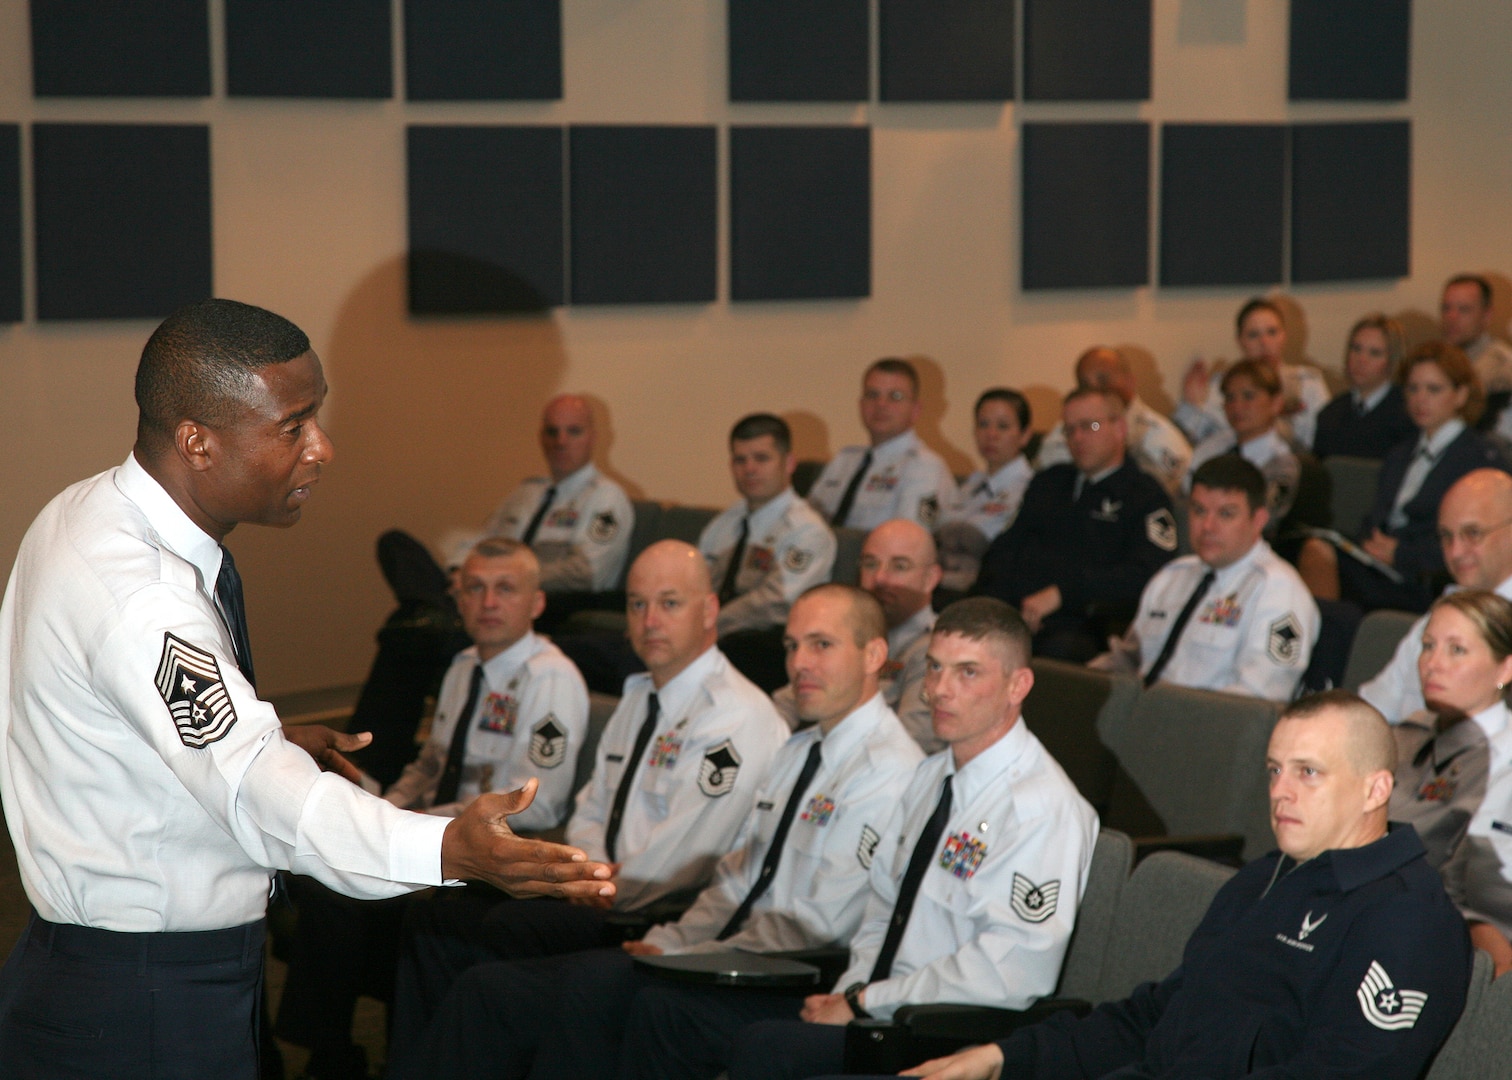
(1501, 826)
(498, 714)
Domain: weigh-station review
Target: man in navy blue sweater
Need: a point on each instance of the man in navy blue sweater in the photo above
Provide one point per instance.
(1338, 955)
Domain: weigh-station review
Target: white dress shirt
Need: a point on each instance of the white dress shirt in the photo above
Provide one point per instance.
(789, 548)
(906, 479)
(990, 503)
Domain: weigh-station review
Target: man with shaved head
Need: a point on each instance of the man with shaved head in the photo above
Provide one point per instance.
(674, 779)
(1475, 530)
(1337, 955)
(1155, 443)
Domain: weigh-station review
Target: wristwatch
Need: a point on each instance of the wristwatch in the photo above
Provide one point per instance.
(852, 995)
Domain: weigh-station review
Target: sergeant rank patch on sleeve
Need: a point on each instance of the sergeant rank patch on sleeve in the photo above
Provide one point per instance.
(866, 850)
(1031, 902)
(718, 769)
(1384, 1005)
(189, 680)
(548, 743)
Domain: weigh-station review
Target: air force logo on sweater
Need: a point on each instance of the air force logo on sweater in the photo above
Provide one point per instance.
(1384, 1005)
(190, 681)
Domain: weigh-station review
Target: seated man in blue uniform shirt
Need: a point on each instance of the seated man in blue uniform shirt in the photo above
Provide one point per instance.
(1338, 955)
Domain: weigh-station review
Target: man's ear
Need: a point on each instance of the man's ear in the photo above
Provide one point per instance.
(195, 445)
(874, 654)
(1378, 787)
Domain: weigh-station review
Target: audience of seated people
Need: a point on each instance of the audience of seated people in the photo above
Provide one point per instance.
(896, 475)
(1369, 418)
(1398, 563)
(763, 551)
(988, 500)
(484, 982)
(1156, 444)
(1261, 332)
(1231, 616)
(1089, 536)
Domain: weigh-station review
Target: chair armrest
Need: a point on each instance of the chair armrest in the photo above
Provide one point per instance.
(1225, 848)
(831, 962)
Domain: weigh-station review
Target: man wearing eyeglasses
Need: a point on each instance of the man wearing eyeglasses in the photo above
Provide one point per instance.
(1473, 528)
(1088, 537)
(897, 476)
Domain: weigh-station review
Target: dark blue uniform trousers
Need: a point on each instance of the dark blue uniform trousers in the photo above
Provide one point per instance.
(80, 1002)
(694, 1033)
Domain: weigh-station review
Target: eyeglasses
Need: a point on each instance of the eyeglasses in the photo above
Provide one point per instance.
(894, 396)
(1086, 426)
(1471, 534)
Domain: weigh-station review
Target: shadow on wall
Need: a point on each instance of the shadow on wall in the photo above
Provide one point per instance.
(1149, 383)
(810, 436)
(603, 426)
(933, 405)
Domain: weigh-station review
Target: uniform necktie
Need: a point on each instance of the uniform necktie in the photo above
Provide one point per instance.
(451, 775)
(923, 855)
(627, 778)
(528, 536)
(1178, 626)
(843, 510)
(228, 591)
(727, 586)
(774, 853)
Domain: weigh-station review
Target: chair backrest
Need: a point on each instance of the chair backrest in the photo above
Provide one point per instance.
(1481, 1043)
(1158, 908)
(805, 474)
(647, 525)
(848, 543)
(1354, 485)
(600, 708)
(684, 523)
(1198, 758)
(1066, 707)
(1374, 642)
(1112, 859)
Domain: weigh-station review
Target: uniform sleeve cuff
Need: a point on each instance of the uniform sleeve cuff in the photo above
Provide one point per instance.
(415, 849)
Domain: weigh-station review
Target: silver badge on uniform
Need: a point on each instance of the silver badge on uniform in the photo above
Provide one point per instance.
(603, 527)
(1285, 643)
(867, 848)
(1160, 527)
(1031, 902)
(797, 560)
(189, 679)
(1384, 1005)
(929, 509)
(718, 769)
(548, 743)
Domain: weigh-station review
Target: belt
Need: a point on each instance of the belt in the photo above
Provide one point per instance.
(237, 943)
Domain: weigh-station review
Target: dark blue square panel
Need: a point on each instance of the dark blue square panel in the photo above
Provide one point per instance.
(116, 48)
(485, 219)
(946, 50)
(1351, 201)
(800, 212)
(482, 50)
(642, 214)
(1086, 205)
(122, 218)
(10, 223)
(799, 50)
(1087, 50)
(309, 48)
(1222, 201)
(1349, 50)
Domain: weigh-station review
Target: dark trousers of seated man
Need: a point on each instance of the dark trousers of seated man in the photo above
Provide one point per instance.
(677, 1032)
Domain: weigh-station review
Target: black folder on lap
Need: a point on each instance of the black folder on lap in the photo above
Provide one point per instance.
(733, 968)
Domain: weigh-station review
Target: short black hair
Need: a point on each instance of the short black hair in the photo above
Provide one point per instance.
(758, 424)
(199, 362)
(1473, 279)
(1012, 398)
(892, 365)
(986, 618)
(1230, 472)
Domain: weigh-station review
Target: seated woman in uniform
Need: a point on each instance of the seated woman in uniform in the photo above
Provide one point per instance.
(1405, 567)
(1465, 666)
(989, 498)
(1261, 333)
(1252, 404)
(1369, 418)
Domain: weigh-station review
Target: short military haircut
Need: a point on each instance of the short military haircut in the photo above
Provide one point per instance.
(1370, 745)
(986, 618)
(1258, 303)
(1115, 404)
(892, 365)
(758, 424)
(1012, 398)
(1230, 472)
(864, 615)
(1259, 372)
(1473, 279)
(502, 547)
(199, 363)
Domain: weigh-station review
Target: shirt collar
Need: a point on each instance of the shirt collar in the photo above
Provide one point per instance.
(1262, 448)
(499, 668)
(182, 536)
(673, 698)
(910, 630)
(572, 483)
(896, 446)
(1377, 396)
(987, 769)
(1002, 480)
(1441, 438)
(1241, 564)
(1353, 867)
(770, 513)
(845, 736)
(1097, 478)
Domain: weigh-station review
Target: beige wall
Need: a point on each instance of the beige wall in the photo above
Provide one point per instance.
(433, 420)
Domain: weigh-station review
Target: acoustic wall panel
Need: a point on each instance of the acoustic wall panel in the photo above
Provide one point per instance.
(482, 50)
(946, 50)
(122, 219)
(642, 213)
(112, 48)
(1086, 205)
(1351, 201)
(1349, 50)
(1222, 204)
(800, 212)
(307, 49)
(10, 223)
(1086, 50)
(485, 219)
(799, 50)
